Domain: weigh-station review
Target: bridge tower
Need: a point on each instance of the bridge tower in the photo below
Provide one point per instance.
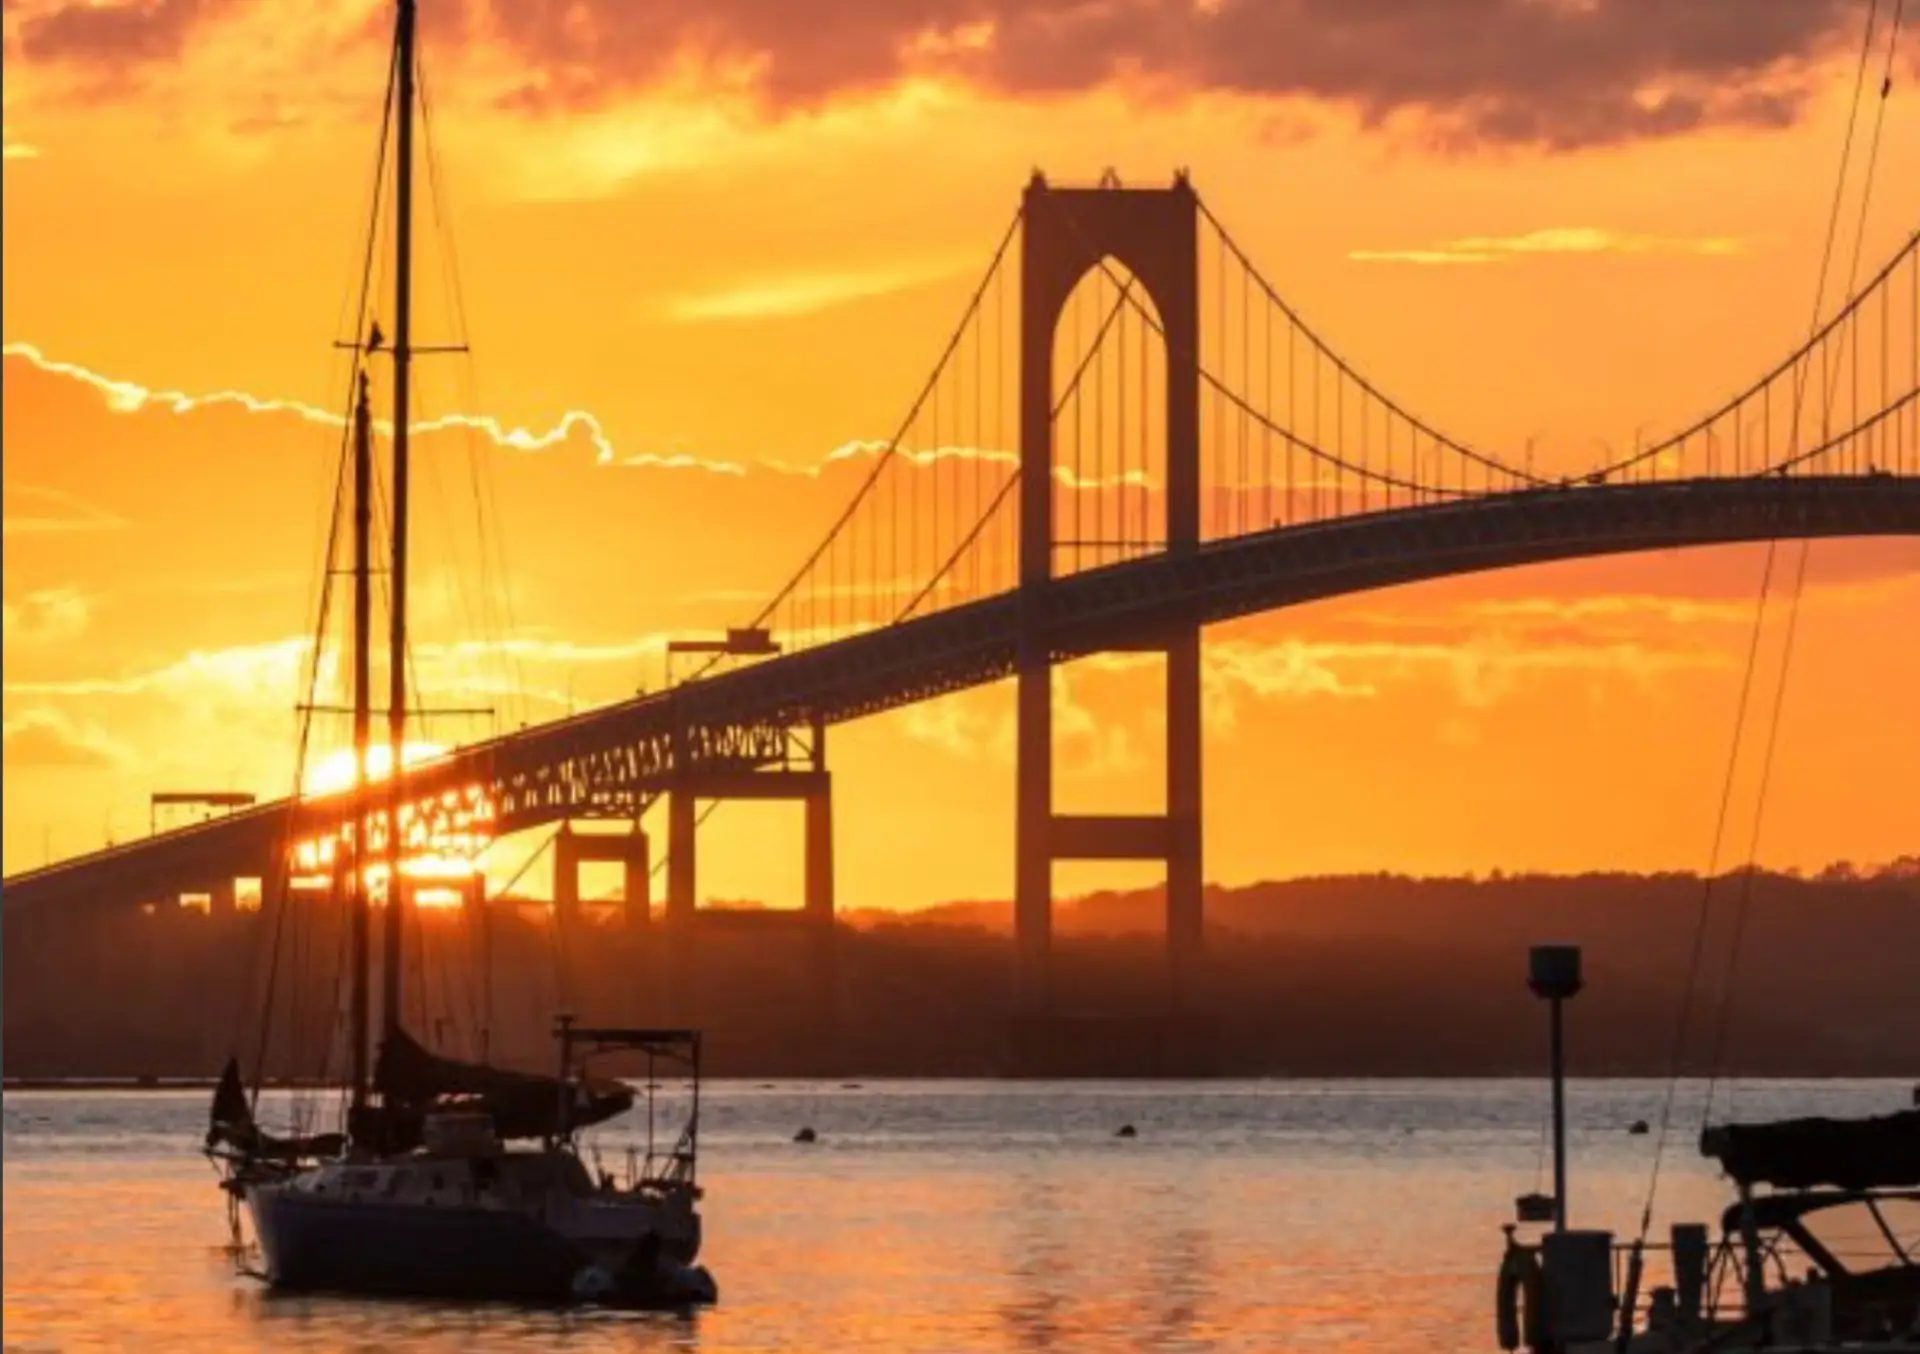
(1153, 233)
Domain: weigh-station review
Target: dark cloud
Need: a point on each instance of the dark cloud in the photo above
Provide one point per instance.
(130, 33)
(1548, 73)
(1554, 73)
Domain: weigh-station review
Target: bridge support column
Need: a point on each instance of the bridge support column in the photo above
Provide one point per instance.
(811, 785)
(1033, 837)
(636, 885)
(566, 882)
(627, 989)
(682, 902)
(818, 905)
(1186, 920)
(1154, 233)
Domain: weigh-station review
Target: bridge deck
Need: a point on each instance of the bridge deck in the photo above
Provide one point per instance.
(737, 718)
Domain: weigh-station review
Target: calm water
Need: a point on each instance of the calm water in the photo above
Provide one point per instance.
(969, 1217)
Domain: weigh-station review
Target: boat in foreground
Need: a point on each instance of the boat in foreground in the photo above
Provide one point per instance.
(427, 1193)
(460, 1214)
(1820, 1251)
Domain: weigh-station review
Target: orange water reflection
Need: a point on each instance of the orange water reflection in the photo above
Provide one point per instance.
(965, 1217)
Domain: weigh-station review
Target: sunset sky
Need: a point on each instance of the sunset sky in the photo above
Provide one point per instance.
(702, 246)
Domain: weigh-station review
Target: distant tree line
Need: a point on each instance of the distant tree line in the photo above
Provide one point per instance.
(1331, 976)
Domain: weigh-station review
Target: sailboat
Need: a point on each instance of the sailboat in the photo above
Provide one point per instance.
(450, 1179)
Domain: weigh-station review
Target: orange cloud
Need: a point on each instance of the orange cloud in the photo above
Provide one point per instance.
(48, 616)
(975, 726)
(268, 672)
(47, 739)
(1100, 708)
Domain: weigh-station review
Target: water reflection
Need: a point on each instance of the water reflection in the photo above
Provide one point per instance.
(969, 1218)
(341, 1325)
(1038, 1262)
(1181, 1278)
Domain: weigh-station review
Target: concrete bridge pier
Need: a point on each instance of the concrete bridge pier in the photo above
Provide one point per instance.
(629, 993)
(818, 903)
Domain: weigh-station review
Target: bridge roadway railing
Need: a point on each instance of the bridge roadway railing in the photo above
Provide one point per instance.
(600, 761)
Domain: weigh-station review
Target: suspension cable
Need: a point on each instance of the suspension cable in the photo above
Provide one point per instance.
(1342, 366)
(481, 485)
(1784, 367)
(893, 444)
(1070, 392)
(1220, 388)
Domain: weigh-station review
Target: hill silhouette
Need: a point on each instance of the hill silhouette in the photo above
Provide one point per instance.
(1346, 976)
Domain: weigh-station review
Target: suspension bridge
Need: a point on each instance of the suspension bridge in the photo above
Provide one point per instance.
(1128, 436)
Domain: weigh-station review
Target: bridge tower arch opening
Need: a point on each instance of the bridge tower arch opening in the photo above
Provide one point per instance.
(1151, 236)
(1109, 398)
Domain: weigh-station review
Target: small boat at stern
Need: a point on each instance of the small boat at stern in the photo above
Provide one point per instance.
(1820, 1251)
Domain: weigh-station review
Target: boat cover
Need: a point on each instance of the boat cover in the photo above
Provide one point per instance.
(413, 1082)
(1880, 1152)
(230, 1123)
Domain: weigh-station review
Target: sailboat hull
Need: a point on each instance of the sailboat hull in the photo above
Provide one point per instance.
(411, 1251)
(316, 1243)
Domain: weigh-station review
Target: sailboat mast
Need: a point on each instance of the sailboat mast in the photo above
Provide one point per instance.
(362, 726)
(397, 640)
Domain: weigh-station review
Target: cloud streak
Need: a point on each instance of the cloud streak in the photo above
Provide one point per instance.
(1553, 241)
(797, 294)
(129, 397)
(271, 670)
(38, 510)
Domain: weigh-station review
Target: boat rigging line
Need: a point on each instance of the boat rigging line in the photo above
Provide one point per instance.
(1723, 1015)
(1703, 913)
(480, 484)
(276, 895)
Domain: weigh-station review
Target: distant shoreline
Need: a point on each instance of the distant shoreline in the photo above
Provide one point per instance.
(144, 1084)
